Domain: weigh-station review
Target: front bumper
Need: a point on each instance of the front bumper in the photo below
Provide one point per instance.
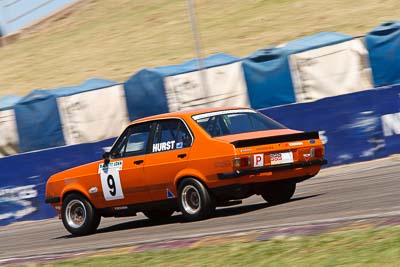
(241, 173)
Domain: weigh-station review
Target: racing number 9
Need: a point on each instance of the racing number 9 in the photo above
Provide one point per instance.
(111, 185)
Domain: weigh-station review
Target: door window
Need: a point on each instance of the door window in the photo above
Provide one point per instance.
(171, 135)
(133, 141)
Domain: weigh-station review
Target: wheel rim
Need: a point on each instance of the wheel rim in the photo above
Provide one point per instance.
(75, 213)
(191, 199)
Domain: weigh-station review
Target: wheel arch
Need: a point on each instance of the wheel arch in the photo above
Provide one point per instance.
(75, 190)
(190, 173)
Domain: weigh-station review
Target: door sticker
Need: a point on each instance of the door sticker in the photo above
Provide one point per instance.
(258, 160)
(170, 194)
(179, 145)
(164, 146)
(110, 180)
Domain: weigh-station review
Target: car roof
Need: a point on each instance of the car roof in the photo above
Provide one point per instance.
(183, 114)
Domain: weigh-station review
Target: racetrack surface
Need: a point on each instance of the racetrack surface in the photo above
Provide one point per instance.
(353, 191)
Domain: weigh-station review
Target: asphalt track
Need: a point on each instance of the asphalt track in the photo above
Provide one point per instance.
(363, 190)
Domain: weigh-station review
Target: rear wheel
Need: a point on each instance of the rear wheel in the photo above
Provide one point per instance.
(279, 192)
(158, 215)
(194, 200)
(79, 216)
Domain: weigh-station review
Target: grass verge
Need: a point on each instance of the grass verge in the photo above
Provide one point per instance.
(376, 247)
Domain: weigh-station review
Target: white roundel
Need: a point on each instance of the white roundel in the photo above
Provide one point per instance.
(110, 180)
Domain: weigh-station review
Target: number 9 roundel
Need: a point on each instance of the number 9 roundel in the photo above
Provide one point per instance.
(110, 181)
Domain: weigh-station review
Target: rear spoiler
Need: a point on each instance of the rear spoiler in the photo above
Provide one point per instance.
(276, 139)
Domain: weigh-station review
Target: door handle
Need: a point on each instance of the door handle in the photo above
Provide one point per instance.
(138, 162)
(181, 156)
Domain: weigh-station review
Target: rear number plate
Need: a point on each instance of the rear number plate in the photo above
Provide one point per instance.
(281, 158)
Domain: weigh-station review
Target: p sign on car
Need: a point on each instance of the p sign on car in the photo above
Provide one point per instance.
(258, 160)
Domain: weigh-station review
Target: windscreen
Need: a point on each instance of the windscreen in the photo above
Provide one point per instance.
(228, 122)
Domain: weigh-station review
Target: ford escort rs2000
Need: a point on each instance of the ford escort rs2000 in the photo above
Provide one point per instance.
(190, 162)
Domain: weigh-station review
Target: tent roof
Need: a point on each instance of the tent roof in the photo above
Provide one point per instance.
(88, 85)
(192, 65)
(315, 41)
(386, 28)
(300, 45)
(8, 102)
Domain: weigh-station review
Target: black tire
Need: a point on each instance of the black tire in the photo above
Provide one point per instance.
(159, 214)
(279, 192)
(79, 216)
(194, 200)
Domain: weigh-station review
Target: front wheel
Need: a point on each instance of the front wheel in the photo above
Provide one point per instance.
(279, 192)
(194, 200)
(79, 216)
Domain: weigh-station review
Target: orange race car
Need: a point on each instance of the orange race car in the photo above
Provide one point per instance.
(191, 162)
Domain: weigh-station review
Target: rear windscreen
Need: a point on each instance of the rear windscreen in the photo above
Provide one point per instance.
(234, 122)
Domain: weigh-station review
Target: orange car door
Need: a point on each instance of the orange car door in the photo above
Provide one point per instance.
(168, 154)
(123, 182)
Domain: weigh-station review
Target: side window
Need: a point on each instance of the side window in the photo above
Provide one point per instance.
(134, 142)
(170, 135)
(119, 149)
(184, 138)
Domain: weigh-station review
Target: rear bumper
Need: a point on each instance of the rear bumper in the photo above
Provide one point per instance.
(241, 173)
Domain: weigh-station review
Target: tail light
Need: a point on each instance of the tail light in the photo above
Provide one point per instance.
(242, 162)
(319, 152)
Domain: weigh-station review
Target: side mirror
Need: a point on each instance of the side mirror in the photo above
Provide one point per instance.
(106, 157)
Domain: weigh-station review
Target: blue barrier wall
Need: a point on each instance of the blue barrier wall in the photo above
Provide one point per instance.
(355, 127)
(17, 14)
(24, 176)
